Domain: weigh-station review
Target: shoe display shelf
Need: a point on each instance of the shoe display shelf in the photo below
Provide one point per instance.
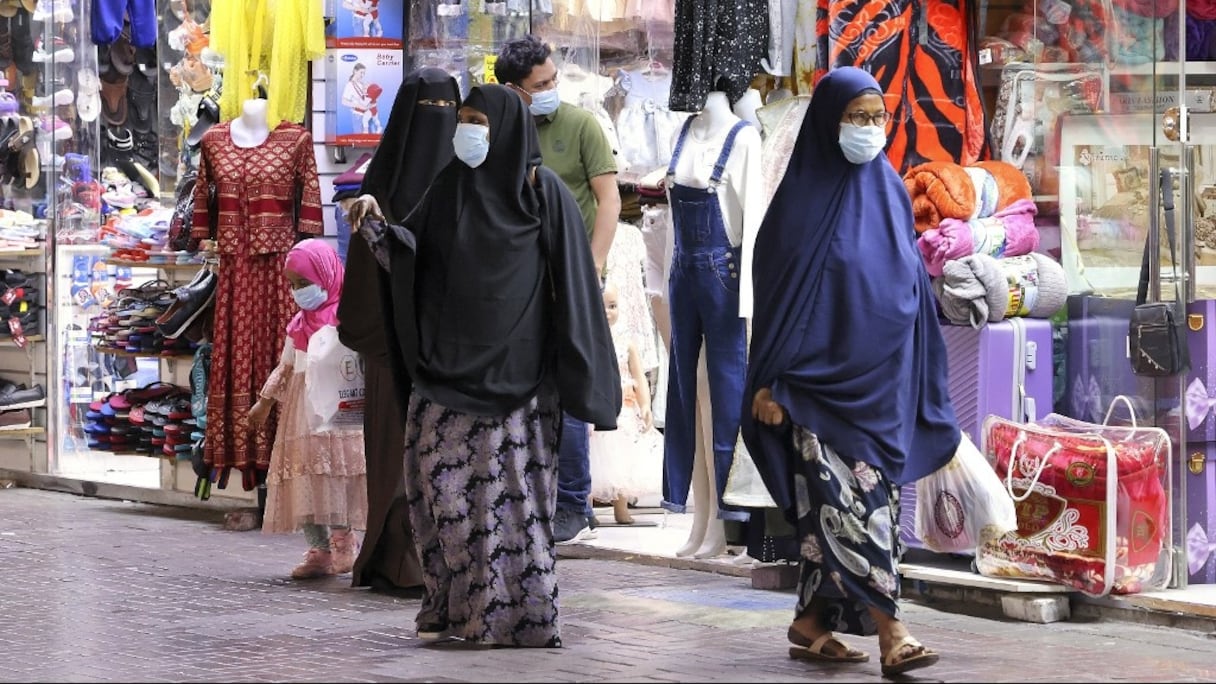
(23, 357)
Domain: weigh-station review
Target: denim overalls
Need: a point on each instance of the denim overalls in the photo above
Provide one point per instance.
(704, 304)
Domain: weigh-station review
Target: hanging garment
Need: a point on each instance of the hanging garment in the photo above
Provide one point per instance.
(265, 197)
(646, 115)
(704, 302)
(921, 53)
(718, 46)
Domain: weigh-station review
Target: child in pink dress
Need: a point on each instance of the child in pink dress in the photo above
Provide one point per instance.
(317, 479)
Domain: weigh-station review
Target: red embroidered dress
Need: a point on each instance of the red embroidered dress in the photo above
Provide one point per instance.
(266, 196)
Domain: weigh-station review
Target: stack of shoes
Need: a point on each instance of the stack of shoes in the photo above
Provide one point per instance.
(143, 237)
(135, 420)
(20, 230)
(19, 303)
(129, 323)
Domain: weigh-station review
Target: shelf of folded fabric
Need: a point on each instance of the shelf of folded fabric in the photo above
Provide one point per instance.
(140, 354)
(22, 432)
(147, 264)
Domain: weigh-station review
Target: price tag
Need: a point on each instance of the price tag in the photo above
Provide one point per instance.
(14, 326)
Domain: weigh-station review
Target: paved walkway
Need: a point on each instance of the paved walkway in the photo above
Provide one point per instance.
(94, 590)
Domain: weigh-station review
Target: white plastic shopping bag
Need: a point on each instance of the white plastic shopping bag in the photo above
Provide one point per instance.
(333, 381)
(963, 504)
(744, 486)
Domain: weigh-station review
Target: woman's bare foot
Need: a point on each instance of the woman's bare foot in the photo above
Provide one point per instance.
(901, 652)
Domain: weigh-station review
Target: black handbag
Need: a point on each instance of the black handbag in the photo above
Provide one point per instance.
(1157, 333)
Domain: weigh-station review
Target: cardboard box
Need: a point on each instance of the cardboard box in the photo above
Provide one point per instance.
(361, 87)
(365, 24)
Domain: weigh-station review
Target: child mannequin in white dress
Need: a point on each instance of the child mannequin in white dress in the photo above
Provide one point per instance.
(626, 462)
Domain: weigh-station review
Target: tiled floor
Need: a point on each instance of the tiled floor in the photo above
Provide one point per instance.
(95, 590)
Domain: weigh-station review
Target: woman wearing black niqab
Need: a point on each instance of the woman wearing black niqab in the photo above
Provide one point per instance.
(501, 327)
(415, 147)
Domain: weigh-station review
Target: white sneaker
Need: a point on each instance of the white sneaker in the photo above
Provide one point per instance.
(63, 54)
(63, 96)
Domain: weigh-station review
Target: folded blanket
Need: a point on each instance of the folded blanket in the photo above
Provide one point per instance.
(939, 190)
(1010, 232)
(1011, 183)
(979, 289)
(985, 192)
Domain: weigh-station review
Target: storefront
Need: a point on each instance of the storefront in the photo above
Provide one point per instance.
(1089, 101)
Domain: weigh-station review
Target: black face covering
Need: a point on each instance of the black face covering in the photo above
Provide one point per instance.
(417, 142)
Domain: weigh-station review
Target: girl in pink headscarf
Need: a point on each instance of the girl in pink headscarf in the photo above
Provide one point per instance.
(317, 480)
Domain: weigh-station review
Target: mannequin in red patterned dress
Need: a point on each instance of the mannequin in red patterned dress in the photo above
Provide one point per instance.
(267, 198)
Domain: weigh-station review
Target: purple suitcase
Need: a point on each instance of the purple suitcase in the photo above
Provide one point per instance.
(1002, 369)
(1200, 526)
(1096, 364)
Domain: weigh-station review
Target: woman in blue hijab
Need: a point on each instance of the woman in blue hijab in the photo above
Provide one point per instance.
(846, 381)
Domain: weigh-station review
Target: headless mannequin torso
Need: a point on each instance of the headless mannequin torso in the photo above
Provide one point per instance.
(713, 121)
(251, 129)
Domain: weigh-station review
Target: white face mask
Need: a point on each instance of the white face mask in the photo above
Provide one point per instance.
(310, 297)
(545, 102)
(861, 144)
(472, 143)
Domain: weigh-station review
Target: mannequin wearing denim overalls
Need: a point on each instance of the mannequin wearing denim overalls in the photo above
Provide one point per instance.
(704, 294)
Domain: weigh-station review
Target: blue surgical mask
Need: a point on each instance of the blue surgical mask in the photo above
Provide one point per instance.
(545, 102)
(472, 143)
(311, 297)
(861, 144)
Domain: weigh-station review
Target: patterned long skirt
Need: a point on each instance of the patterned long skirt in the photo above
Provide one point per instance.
(252, 307)
(848, 524)
(482, 492)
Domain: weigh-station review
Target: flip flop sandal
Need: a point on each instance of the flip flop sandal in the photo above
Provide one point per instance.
(114, 100)
(815, 653)
(892, 664)
(141, 94)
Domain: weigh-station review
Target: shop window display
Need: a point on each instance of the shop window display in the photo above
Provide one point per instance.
(138, 83)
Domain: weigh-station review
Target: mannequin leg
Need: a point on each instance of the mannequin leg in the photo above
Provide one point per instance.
(700, 505)
(713, 543)
(702, 484)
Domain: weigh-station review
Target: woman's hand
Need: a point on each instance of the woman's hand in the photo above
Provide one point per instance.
(259, 413)
(766, 410)
(363, 207)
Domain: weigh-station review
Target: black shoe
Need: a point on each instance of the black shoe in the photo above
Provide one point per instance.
(22, 397)
(569, 527)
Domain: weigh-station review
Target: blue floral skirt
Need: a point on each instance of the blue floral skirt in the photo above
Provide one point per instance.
(848, 526)
(482, 492)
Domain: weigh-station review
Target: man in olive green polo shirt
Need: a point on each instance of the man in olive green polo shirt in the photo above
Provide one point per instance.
(574, 146)
(572, 143)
